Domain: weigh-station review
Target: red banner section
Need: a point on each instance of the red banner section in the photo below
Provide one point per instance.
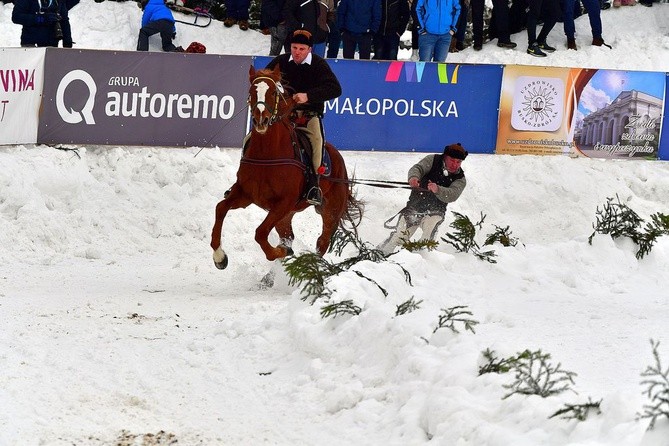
(144, 98)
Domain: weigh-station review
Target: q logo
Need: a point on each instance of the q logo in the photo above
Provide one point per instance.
(70, 116)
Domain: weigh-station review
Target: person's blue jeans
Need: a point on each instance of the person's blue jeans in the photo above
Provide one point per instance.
(592, 7)
(433, 47)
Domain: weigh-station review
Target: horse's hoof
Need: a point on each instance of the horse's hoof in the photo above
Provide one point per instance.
(222, 264)
(289, 251)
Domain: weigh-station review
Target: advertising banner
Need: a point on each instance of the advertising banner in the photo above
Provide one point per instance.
(144, 98)
(664, 136)
(412, 106)
(585, 112)
(21, 77)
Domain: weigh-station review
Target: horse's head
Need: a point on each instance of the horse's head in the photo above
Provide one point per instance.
(266, 98)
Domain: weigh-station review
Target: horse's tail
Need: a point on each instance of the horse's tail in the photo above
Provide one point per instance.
(354, 211)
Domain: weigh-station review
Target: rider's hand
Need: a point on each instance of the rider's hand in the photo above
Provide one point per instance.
(300, 98)
(413, 182)
(432, 187)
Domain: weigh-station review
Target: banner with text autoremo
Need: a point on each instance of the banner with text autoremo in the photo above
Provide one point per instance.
(412, 106)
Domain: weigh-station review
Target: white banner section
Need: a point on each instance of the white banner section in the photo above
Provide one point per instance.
(21, 78)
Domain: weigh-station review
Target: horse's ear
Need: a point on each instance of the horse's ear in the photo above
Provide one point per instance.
(252, 73)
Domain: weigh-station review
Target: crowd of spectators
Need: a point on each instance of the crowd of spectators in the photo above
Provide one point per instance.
(357, 28)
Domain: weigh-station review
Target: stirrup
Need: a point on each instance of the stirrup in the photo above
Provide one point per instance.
(314, 196)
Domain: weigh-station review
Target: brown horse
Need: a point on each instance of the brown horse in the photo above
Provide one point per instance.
(272, 176)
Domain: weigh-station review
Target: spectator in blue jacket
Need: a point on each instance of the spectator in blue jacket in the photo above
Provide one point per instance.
(394, 19)
(45, 23)
(157, 18)
(358, 21)
(437, 23)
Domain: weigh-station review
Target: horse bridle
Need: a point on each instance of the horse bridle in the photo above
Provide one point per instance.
(278, 89)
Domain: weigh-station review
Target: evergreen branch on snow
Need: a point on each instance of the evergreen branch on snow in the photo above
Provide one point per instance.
(502, 236)
(312, 272)
(618, 220)
(408, 306)
(535, 375)
(453, 315)
(418, 245)
(657, 389)
(578, 412)
(463, 239)
(338, 308)
(495, 364)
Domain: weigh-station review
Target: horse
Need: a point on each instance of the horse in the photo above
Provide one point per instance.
(272, 175)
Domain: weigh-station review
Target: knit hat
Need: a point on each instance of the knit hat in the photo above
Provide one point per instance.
(456, 151)
(302, 36)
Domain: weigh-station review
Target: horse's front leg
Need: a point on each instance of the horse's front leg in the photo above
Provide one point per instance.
(285, 230)
(274, 216)
(233, 201)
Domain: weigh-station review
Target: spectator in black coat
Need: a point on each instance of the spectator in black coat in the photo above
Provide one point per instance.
(44, 23)
(271, 15)
(394, 19)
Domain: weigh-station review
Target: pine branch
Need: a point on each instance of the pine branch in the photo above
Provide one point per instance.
(657, 389)
(494, 364)
(578, 412)
(408, 306)
(454, 314)
(463, 238)
(536, 376)
(427, 244)
(313, 271)
(501, 235)
(339, 308)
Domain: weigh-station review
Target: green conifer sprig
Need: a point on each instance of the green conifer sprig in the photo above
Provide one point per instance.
(657, 389)
(495, 364)
(311, 270)
(501, 235)
(578, 412)
(339, 308)
(418, 245)
(451, 316)
(535, 375)
(618, 220)
(463, 238)
(408, 306)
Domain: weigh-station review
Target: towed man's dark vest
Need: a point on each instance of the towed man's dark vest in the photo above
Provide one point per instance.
(425, 202)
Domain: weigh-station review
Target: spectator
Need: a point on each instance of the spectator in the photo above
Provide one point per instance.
(315, 16)
(237, 12)
(500, 24)
(271, 12)
(593, 8)
(358, 21)
(437, 23)
(458, 40)
(414, 31)
(334, 36)
(157, 18)
(394, 19)
(44, 23)
(478, 7)
(549, 10)
(436, 181)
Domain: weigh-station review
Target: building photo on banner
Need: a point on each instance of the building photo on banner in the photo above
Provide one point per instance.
(538, 328)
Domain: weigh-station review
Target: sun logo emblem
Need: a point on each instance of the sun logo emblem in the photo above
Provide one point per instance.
(537, 104)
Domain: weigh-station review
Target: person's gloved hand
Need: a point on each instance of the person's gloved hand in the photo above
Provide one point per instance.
(413, 182)
(433, 187)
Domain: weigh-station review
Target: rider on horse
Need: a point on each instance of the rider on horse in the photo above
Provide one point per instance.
(310, 76)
